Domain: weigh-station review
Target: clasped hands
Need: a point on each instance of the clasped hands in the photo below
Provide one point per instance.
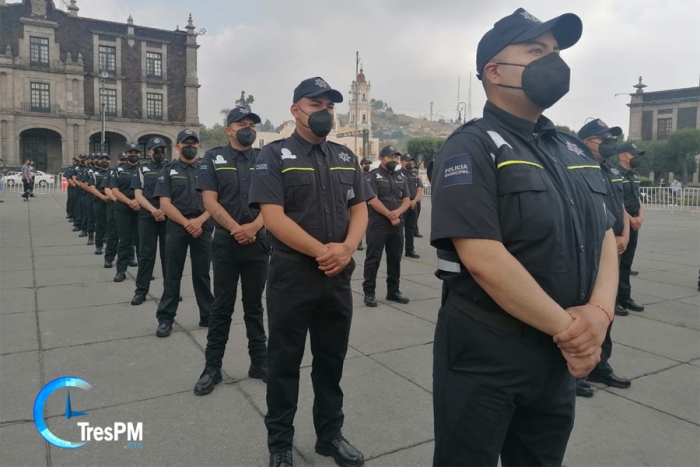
(245, 234)
(580, 342)
(394, 217)
(335, 258)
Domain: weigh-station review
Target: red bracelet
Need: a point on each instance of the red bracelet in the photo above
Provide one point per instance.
(604, 311)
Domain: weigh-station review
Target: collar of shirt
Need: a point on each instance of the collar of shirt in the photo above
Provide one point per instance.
(306, 147)
(386, 173)
(248, 153)
(185, 165)
(518, 125)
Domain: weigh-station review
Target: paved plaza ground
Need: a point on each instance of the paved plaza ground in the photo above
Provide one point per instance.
(63, 315)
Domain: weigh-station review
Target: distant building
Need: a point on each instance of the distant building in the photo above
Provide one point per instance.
(57, 69)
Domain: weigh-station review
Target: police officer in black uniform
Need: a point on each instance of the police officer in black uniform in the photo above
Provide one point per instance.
(188, 226)
(99, 199)
(385, 229)
(526, 253)
(151, 218)
(600, 139)
(89, 198)
(240, 247)
(80, 213)
(415, 186)
(627, 154)
(365, 165)
(126, 210)
(111, 232)
(312, 195)
(70, 202)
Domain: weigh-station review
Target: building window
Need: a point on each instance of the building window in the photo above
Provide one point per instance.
(647, 123)
(364, 118)
(261, 143)
(109, 99)
(154, 106)
(40, 100)
(154, 65)
(97, 146)
(108, 59)
(687, 118)
(364, 97)
(39, 51)
(663, 128)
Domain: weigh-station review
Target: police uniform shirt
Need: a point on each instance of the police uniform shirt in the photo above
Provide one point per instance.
(178, 181)
(317, 184)
(414, 182)
(630, 190)
(535, 190)
(122, 179)
(391, 188)
(81, 173)
(70, 171)
(145, 179)
(96, 179)
(228, 172)
(613, 181)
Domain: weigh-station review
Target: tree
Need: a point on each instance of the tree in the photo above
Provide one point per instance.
(683, 146)
(565, 129)
(267, 126)
(397, 134)
(424, 149)
(246, 102)
(213, 137)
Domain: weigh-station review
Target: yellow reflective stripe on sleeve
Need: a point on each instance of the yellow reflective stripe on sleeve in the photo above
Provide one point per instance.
(574, 167)
(637, 181)
(626, 181)
(503, 164)
(226, 168)
(343, 168)
(298, 168)
(617, 180)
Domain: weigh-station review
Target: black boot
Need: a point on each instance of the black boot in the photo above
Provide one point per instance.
(98, 250)
(210, 378)
(83, 234)
(91, 238)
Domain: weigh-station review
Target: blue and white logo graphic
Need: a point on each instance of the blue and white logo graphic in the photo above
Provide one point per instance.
(42, 397)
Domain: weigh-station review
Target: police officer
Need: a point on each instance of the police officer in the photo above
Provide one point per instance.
(525, 253)
(80, 214)
(126, 209)
(100, 199)
(415, 186)
(240, 247)
(70, 202)
(365, 165)
(313, 197)
(88, 199)
(111, 233)
(627, 154)
(188, 225)
(600, 139)
(151, 218)
(386, 226)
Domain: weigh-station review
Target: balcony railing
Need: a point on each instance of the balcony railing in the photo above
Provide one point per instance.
(32, 107)
(51, 65)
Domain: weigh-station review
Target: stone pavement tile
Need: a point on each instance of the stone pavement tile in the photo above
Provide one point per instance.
(414, 364)
(612, 431)
(59, 297)
(417, 292)
(644, 299)
(14, 252)
(16, 279)
(647, 266)
(671, 278)
(633, 363)
(17, 301)
(21, 445)
(383, 412)
(675, 312)
(422, 279)
(223, 428)
(426, 309)
(695, 363)
(662, 339)
(691, 301)
(674, 391)
(66, 250)
(14, 241)
(10, 265)
(416, 456)
(686, 270)
(78, 326)
(64, 262)
(18, 333)
(657, 289)
(126, 370)
(382, 329)
(78, 275)
(59, 241)
(691, 260)
(18, 391)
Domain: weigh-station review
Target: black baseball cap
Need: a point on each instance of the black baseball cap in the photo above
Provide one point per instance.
(388, 151)
(104, 155)
(407, 157)
(365, 161)
(185, 134)
(122, 155)
(132, 147)
(82, 156)
(630, 148)
(240, 113)
(520, 27)
(156, 142)
(314, 87)
(597, 127)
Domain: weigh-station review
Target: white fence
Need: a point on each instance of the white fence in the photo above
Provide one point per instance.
(15, 185)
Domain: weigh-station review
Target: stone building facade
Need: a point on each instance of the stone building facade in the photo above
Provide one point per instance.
(58, 69)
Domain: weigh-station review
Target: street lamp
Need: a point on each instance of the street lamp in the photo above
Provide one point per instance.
(103, 76)
(461, 110)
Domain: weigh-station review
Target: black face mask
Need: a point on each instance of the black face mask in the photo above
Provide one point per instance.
(158, 155)
(320, 123)
(104, 165)
(635, 162)
(246, 136)
(365, 168)
(133, 159)
(409, 167)
(607, 148)
(391, 166)
(189, 152)
(544, 81)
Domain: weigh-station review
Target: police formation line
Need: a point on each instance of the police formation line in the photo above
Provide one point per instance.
(529, 226)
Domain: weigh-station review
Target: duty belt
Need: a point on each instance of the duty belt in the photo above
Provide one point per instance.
(495, 319)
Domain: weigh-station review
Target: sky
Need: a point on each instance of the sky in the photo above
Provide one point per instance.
(413, 51)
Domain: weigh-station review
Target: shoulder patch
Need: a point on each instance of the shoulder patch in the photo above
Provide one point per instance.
(173, 172)
(458, 170)
(219, 159)
(287, 154)
(261, 167)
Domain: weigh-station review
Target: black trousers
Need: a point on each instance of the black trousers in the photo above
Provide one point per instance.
(301, 299)
(418, 207)
(100, 209)
(111, 233)
(70, 203)
(498, 393)
(232, 261)
(624, 290)
(79, 208)
(381, 235)
(411, 221)
(177, 240)
(90, 210)
(151, 236)
(128, 228)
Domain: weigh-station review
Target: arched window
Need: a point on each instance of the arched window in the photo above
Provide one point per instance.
(364, 118)
(364, 97)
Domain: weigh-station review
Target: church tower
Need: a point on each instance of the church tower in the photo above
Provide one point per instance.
(360, 107)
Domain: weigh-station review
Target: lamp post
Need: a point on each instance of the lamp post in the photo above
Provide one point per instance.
(103, 76)
(461, 110)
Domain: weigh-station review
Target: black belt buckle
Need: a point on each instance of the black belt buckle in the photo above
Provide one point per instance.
(496, 320)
